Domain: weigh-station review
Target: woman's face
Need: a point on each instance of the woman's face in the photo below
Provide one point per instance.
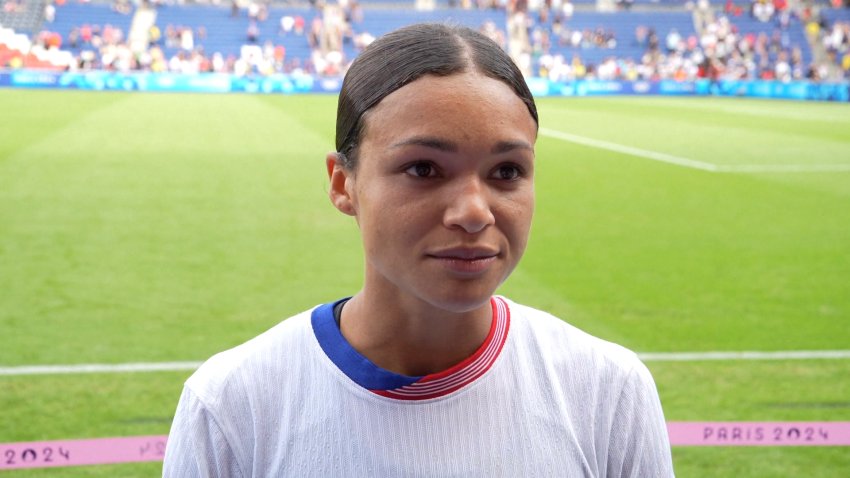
(443, 191)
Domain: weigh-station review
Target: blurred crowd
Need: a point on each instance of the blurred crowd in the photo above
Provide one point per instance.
(538, 35)
(720, 51)
(836, 41)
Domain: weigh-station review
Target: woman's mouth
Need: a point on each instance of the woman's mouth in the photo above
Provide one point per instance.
(466, 261)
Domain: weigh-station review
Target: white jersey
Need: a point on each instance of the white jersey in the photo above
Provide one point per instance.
(539, 398)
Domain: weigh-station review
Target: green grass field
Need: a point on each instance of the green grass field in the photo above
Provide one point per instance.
(167, 227)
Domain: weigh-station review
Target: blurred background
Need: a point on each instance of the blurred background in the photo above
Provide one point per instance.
(163, 198)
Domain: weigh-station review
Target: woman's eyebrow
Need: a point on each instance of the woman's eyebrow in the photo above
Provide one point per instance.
(428, 142)
(450, 147)
(508, 146)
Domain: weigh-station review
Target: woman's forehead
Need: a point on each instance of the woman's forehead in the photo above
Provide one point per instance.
(453, 106)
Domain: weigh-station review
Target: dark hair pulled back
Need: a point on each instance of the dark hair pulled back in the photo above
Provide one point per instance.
(403, 56)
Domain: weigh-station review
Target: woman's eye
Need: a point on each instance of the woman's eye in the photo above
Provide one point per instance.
(507, 172)
(421, 170)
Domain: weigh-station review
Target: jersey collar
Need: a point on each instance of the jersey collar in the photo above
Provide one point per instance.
(403, 387)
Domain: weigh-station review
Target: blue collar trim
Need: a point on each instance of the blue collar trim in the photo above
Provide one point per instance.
(351, 362)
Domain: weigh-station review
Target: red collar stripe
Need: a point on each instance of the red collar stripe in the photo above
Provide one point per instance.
(445, 382)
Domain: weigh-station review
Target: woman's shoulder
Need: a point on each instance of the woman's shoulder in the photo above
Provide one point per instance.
(561, 343)
(268, 353)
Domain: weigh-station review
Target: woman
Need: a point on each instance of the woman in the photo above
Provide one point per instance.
(423, 372)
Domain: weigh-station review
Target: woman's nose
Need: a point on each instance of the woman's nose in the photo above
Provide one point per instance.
(468, 207)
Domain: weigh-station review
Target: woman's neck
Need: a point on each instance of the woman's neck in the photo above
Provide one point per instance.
(410, 336)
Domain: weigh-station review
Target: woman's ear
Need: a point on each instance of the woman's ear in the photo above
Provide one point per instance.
(340, 196)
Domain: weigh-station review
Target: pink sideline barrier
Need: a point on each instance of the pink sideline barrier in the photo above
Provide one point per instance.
(97, 451)
(759, 433)
(101, 451)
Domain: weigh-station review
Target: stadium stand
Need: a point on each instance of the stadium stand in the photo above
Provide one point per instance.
(618, 32)
(19, 20)
(558, 39)
(786, 28)
(80, 23)
(833, 33)
(22, 16)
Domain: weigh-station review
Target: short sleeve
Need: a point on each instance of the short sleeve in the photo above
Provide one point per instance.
(639, 445)
(196, 446)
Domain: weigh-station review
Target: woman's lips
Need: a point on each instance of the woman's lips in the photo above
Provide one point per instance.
(466, 261)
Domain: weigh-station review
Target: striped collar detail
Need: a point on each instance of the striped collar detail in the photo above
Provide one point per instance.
(404, 387)
(445, 382)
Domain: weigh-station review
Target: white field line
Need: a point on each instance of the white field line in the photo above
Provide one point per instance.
(647, 356)
(778, 355)
(784, 168)
(694, 164)
(642, 153)
(100, 368)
